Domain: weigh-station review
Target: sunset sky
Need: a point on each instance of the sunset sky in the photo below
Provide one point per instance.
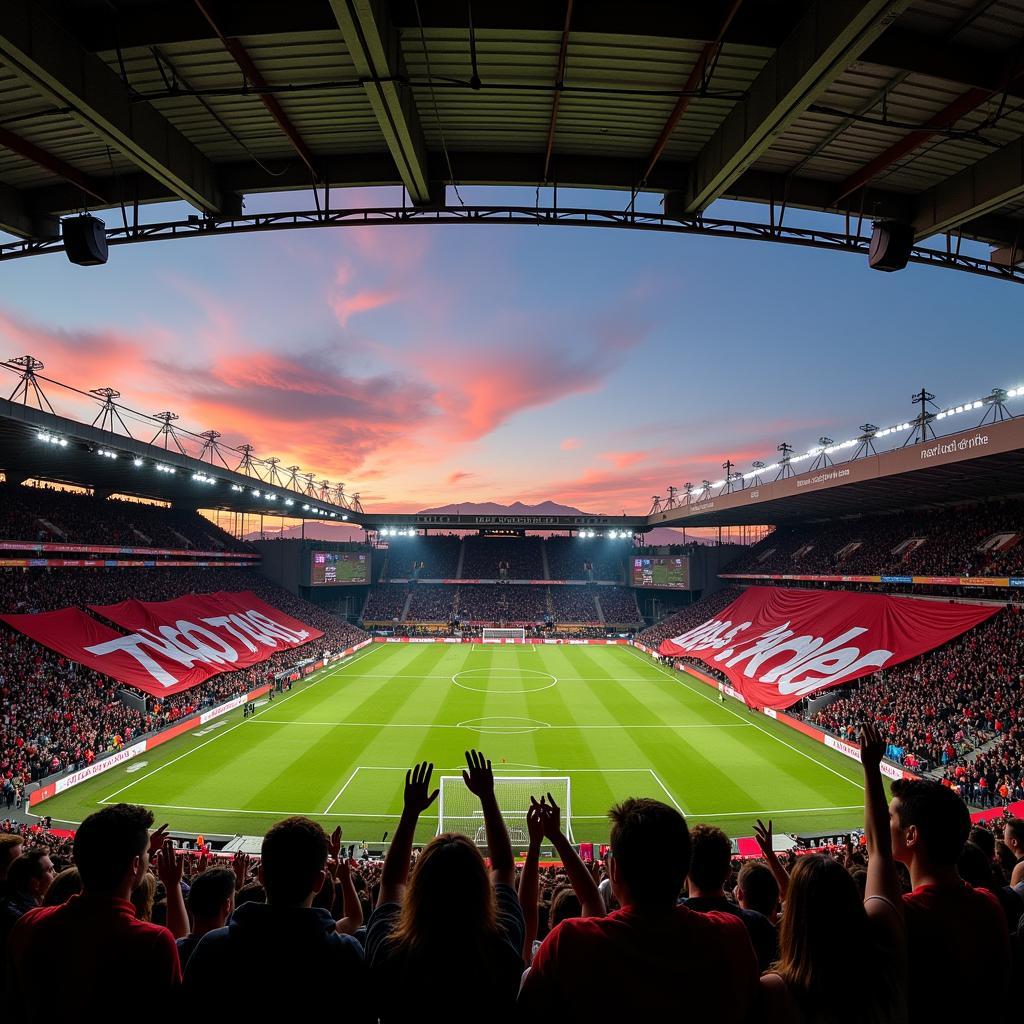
(424, 365)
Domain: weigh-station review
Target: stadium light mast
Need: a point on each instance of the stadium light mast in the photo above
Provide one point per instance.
(211, 447)
(356, 505)
(109, 415)
(655, 504)
(785, 451)
(995, 407)
(28, 385)
(310, 486)
(821, 460)
(922, 423)
(866, 441)
(728, 466)
(167, 431)
(247, 463)
(757, 466)
(273, 475)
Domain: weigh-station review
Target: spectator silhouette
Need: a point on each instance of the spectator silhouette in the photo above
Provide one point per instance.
(452, 923)
(300, 942)
(842, 956)
(92, 947)
(654, 957)
(929, 826)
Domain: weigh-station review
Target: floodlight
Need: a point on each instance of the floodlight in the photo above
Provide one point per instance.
(305, 508)
(344, 517)
(289, 502)
(255, 494)
(136, 462)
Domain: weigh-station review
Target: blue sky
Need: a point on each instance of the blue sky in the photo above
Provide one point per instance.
(422, 365)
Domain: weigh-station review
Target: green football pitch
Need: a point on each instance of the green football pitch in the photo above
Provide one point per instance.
(336, 747)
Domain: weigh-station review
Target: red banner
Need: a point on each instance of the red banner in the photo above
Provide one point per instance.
(174, 645)
(777, 645)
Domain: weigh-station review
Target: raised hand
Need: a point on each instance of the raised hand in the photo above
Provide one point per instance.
(168, 866)
(535, 822)
(872, 746)
(417, 789)
(156, 840)
(552, 818)
(763, 835)
(240, 865)
(336, 843)
(480, 778)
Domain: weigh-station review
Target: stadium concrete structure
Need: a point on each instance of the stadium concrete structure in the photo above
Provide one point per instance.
(903, 113)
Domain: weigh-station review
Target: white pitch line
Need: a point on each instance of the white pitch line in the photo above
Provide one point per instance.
(725, 707)
(436, 725)
(355, 772)
(788, 810)
(657, 779)
(237, 725)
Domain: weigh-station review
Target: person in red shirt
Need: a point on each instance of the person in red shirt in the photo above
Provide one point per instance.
(957, 938)
(654, 957)
(92, 949)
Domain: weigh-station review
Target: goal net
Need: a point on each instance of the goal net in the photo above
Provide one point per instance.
(493, 635)
(459, 809)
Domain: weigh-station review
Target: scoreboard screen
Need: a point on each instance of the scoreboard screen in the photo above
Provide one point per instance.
(661, 571)
(337, 568)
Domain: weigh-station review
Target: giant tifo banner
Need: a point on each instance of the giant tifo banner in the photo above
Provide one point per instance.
(172, 645)
(777, 645)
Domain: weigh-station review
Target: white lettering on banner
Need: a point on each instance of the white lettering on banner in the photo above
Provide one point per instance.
(223, 709)
(187, 642)
(814, 662)
(98, 767)
(224, 622)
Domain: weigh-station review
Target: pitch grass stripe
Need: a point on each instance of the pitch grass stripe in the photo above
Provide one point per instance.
(388, 702)
(227, 732)
(682, 682)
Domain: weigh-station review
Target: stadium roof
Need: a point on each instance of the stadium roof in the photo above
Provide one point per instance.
(902, 109)
(983, 462)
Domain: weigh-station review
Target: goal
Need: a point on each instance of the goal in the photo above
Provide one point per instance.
(499, 636)
(459, 809)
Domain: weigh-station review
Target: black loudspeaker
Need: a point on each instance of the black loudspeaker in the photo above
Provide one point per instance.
(85, 241)
(891, 242)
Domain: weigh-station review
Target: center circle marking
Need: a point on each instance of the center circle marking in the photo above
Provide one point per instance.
(487, 673)
(504, 725)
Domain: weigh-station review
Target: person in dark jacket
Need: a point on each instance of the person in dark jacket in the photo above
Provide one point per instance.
(270, 951)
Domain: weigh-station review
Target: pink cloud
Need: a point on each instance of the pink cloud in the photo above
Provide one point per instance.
(623, 460)
(570, 444)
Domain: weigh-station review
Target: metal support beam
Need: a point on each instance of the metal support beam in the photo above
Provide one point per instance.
(374, 47)
(698, 74)
(829, 37)
(975, 191)
(42, 54)
(49, 162)
(563, 49)
(949, 115)
(255, 76)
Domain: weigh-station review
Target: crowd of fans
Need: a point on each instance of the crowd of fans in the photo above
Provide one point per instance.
(937, 710)
(927, 543)
(575, 558)
(46, 514)
(58, 716)
(669, 923)
(619, 605)
(573, 604)
(432, 557)
(493, 558)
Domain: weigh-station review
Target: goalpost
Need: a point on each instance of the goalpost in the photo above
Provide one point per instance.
(458, 810)
(492, 635)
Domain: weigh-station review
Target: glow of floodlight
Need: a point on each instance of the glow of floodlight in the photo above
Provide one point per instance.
(344, 517)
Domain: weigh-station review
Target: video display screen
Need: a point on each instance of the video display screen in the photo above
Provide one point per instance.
(661, 571)
(338, 568)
